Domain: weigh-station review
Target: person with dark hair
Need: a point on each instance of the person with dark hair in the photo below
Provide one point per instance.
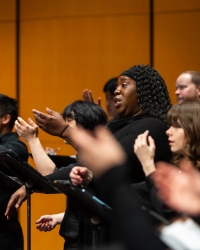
(142, 101)
(108, 89)
(75, 228)
(188, 85)
(11, 237)
(183, 134)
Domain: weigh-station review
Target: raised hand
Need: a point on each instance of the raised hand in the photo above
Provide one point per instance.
(98, 150)
(52, 123)
(88, 97)
(25, 130)
(179, 188)
(144, 148)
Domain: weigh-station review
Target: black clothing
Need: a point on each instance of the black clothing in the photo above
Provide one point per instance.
(11, 237)
(134, 228)
(126, 131)
(69, 227)
(76, 227)
(147, 196)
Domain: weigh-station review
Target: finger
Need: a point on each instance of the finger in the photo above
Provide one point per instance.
(99, 101)
(83, 170)
(151, 142)
(91, 96)
(32, 123)
(36, 112)
(21, 121)
(51, 112)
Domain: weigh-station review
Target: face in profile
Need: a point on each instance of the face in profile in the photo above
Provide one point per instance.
(110, 105)
(176, 138)
(185, 88)
(125, 99)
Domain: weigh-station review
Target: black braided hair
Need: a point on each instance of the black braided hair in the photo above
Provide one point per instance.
(151, 90)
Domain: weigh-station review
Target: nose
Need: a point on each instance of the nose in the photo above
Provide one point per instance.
(168, 132)
(117, 90)
(177, 92)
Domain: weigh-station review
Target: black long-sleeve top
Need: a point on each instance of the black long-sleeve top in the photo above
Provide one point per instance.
(126, 132)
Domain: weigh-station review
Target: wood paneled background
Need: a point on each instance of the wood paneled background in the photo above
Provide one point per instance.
(69, 45)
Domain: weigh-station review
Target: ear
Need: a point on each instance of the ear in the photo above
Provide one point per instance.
(6, 119)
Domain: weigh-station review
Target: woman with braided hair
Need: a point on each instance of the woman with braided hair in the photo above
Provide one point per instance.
(142, 101)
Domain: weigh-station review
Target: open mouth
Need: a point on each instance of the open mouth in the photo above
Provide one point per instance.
(117, 102)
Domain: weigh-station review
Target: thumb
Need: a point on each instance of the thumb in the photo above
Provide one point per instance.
(32, 123)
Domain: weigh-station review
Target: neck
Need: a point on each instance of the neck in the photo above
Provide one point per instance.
(5, 130)
(139, 112)
(185, 163)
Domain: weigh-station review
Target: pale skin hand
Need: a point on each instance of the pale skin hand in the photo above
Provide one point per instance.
(144, 148)
(29, 132)
(98, 150)
(80, 175)
(88, 97)
(15, 201)
(179, 190)
(47, 223)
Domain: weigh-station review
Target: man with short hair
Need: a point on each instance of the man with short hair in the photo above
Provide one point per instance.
(11, 237)
(187, 85)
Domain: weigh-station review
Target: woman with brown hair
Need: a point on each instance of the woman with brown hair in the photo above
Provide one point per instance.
(183, 136)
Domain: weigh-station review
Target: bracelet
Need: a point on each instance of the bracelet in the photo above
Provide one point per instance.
(64, 130)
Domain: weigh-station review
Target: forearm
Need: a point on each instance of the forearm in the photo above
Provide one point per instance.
(148, 167)
(68, 135)
(58, 217)
(42, 161)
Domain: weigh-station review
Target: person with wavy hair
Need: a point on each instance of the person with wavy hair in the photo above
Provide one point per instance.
(185, 117)
(142, 102)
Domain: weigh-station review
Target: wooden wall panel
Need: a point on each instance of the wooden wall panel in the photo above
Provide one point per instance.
(7, 48)
(176, 6)
(61, 8)
(177, 41)
(62, 57)
(67, 46)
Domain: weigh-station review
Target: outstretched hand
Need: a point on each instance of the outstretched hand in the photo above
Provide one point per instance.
(46, 223)
(98, 150)
(179, 189)
(52, 123)
(88, 97)
(15, 201)
(25, 130)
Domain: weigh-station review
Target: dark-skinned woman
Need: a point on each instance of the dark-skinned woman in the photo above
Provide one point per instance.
(142, 101)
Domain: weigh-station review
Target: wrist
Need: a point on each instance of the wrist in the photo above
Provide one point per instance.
(63, 131)
(32, 140)
(148, 167)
